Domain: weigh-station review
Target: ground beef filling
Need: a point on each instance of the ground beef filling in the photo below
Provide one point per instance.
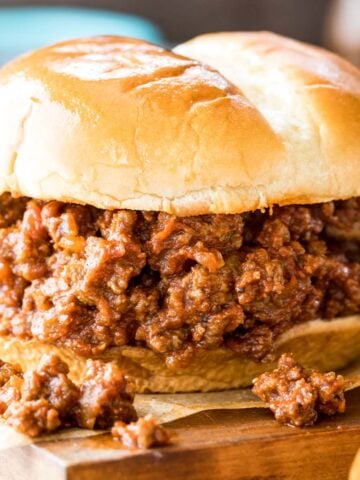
(91, 279)
(144, 433)
(45, 399)
(297, 396)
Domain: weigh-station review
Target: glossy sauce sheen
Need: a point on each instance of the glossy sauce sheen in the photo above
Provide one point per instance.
(45, 399)
(90, 279)
(297, 396)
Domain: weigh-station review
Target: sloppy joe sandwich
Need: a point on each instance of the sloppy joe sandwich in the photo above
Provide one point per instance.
(189, 221)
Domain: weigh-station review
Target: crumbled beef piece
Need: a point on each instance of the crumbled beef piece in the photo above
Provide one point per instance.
(175, 242)
(32, 247)
(50, 381)
(330, 388)
(145, 433)
(105, 397)
(68, 224)
(45, 399)
(198, 309)
(256, 343)
(296, 396)
(343, 219)
(33, 417)
(92, 279)
(300, 223)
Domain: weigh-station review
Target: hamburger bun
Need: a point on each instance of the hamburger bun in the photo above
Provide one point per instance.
(119, 123)
(131, 125)
(311, 99)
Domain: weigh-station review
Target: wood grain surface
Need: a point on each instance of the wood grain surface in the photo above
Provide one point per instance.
(355, 467)
(226, 445)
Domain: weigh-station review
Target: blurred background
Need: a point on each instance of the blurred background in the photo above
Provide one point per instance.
(27, 24)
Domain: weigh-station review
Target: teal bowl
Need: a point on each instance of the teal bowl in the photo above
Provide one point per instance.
(26, 28)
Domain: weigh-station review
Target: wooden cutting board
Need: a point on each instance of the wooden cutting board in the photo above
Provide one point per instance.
(222, 444)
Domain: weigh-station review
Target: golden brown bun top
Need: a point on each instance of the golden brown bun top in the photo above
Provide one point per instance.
(311, 99)
(119, 123)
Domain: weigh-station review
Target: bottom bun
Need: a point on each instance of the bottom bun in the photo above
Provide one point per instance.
(325, 345)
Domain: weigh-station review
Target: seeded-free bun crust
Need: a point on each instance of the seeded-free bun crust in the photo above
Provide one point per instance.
(311, 99)
(120, 123)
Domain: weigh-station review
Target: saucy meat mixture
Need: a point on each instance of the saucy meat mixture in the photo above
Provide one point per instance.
(144, 433)
(45, 399)
(90, 279)
(297, 396)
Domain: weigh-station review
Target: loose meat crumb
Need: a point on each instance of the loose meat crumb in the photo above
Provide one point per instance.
(296, 396)
(45, 399)
(145, 433)
(33, 417)
(50, 381)
(48, 399)
(171, 284)
(105, 397)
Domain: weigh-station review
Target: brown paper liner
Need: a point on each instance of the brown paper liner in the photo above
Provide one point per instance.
(166, 408)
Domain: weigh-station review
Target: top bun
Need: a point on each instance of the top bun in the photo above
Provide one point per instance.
(119, 123)
(311, 99)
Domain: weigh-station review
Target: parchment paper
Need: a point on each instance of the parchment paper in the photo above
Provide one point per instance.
(168, 407)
